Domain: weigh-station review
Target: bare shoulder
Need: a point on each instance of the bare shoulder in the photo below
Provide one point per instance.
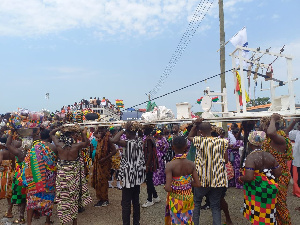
(170, 164)
(268, 155)
(191, 164)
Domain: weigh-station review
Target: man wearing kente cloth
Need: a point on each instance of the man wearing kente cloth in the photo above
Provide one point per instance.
(210, 165)
(102, 165)
(71, 185)
(181, 176)
(260, 188)
(280, 147)
(39, 174)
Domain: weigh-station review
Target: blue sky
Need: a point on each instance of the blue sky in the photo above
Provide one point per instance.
(119, 49)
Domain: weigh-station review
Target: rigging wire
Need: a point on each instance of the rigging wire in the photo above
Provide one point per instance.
(171, 92)
(198, 16)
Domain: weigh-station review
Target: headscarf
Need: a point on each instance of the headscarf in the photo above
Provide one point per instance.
(256, 138)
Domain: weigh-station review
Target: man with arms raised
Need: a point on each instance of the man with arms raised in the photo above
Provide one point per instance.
(71, 186)
(210, 165)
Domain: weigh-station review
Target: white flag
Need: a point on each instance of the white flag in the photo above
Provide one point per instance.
(240, 39)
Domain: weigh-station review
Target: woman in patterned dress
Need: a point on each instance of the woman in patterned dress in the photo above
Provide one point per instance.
(280, 147)
(260, 188)
(234, 158)
(159, 177)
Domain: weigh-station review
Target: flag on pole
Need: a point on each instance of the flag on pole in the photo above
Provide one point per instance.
(239, 90)
(240, 39)
(119, 103)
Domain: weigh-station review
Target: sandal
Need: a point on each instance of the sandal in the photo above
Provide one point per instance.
(6, 215)
(298, 208)
(19, 221)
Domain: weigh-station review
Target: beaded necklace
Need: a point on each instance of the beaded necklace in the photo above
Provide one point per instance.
(180, 156)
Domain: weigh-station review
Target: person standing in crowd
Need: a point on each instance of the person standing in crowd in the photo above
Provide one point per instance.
(115, 167)
(280, 147)
(71, 186)
(98, 101)
(19, 150)
(212, 174)
(39, 172)
(295, 136)
(170, 152)
(159, 177)
(91, 102)
(231, 136)
(260, 188)
(151, 166)
(6, 176)
(234, 158)
(132, 171)
(181, 177)
(102, 165)
(95, 102)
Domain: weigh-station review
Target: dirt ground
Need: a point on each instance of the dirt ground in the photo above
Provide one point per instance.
(155, 214)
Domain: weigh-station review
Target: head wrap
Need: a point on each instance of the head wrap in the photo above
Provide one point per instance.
(257, 138)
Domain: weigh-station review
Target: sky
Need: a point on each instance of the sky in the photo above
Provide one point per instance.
(119, 49)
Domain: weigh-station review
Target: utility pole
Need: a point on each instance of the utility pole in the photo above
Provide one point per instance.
(222, 46)
(222, 54)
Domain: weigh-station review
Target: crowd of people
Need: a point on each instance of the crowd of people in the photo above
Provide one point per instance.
(55, 163)
(91, 103)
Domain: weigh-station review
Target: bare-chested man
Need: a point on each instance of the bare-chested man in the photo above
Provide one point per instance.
(71, 185)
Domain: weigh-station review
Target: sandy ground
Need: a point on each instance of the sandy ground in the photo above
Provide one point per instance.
(155, 214)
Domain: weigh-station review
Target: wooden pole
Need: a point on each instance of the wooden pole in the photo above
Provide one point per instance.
(222, 53)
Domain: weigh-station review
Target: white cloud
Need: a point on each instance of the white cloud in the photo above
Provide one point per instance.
(275, 16)
(40, 17)
(230, 4)
(66, 69)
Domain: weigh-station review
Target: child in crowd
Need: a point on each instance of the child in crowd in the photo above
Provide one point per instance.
(181, 176)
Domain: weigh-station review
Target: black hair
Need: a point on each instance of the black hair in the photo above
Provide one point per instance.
(214, 134)
(235, 131)
(179, 142)
(205, 126)
(131, 132)
(113, 131)
(45, 134)
(148, 130)
(234, 125)
(3, 140)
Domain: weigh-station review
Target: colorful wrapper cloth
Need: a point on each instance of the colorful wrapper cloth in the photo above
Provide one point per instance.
(180, 202)
(260, 198)
(68, 189)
